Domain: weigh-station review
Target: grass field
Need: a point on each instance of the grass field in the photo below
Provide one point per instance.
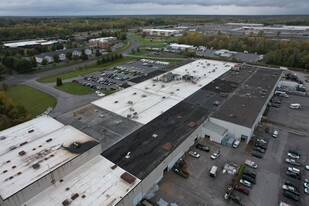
(76, 89)
(142, 52)
(148, 41)
(84, 71)
(35, 101)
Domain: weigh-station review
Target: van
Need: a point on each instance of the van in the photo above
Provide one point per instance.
(275, 134)
(295, 106)
(281, 94)
(213, 171)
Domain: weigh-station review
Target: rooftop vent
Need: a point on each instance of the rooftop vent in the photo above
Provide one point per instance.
(115, 102)
(49, 140)
(114, 167)
(66, 202)
(36, 166)
(128, 178)
(192, 124)
(83, 196)
(2, 137)
(134, 93)
(128, 155)
(130, 102)
(13, 147)
(21, 153)
(21, 144)
(144, 95)
(167, 146)
(30, 131)
(154, 135)
(76, 195)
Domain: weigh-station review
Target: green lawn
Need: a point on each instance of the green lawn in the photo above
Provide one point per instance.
(141, 52)
(35, 101)
(148, 41)
(74, 88)
(84, 71)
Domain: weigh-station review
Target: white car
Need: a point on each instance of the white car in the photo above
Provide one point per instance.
(292, 161)
(215, 155)
(306, 184)
(236, 143)
(250, 164)
(306, 190)
(294, 156)
(194, 154)
(293, 169)
(307, 167)
(245, 182)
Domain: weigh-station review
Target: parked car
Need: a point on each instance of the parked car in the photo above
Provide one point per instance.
(261, 145)
(194, 154)
(275, 134)
(261, 141)
(306, 184)
(294, 169)
(306, 190)
(245, 182)
(255, 154)
(288, 183)
(294, 156)
(306, 180)
(292, 161)
(291, 189)
(236, 143)
(307, 167)
(275, 105)
(242, 189)
(215, 155)
(248, 173)
(294, 152)
(259, 149)
(292, 174)
(249, 179)
(250, 164)
(290, 195)
(202, 147)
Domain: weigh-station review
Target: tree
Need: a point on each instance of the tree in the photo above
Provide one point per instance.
(68, 55)
(75, 57)
(23, 65)
(97, 53)
(33, 62)
(9, 62)
(56, 58)
(3, 69)
(44, 61)
(5, 86)
(133, 51)
(138, 50)
(144, 35)
(59, 82)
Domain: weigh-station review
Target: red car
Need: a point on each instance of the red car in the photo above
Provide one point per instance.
(242, 189)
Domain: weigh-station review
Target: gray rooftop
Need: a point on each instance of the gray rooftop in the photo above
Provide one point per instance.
(215, 128)
(245, 104)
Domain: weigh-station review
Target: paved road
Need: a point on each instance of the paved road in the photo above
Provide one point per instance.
(65, 102)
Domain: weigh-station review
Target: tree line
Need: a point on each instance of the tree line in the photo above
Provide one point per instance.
(10, 113)
(289, 53)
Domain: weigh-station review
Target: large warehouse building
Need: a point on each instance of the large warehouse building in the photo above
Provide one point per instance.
(44, 162)
(147, 127)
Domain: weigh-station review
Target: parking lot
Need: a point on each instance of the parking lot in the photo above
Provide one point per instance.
(118, 76)
(201, 189)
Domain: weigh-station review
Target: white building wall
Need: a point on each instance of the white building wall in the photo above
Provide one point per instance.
(234, 130)
(46, 181)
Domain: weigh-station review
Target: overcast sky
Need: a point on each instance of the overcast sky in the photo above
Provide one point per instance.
(139, 7)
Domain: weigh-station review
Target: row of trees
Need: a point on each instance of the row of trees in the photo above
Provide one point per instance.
(109, 58)
(10, 113)
(286, 53)
(42, 27)
(9, 64)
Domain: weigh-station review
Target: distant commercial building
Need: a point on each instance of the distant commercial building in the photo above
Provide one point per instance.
(32, 43)
(175, 46)
(102, 43)
(244, 24)
(224, 53)
(161, 32)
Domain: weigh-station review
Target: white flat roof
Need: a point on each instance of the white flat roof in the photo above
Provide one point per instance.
(181, 45)
(150, 98)
(29, 43)
(100, 184)
(21, 133)
(49, 151)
